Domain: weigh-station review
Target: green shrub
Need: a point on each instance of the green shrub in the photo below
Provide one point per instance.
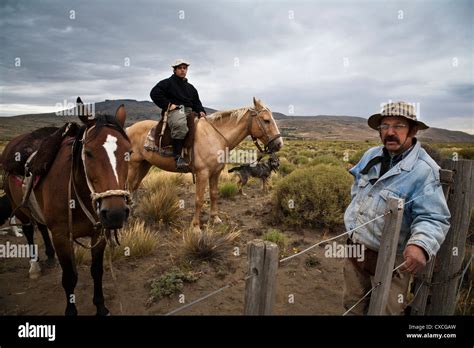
(467, 153)
(228, 189)
(355, 157)
(307, 153)
(169, 283)
(313, 196)
(277, 237)
(331, 160)
(286, 167)
(300, 160)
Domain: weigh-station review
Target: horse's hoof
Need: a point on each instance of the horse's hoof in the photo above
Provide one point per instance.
(35, 270)
(71, 310)
(50, 262)
(103, 311)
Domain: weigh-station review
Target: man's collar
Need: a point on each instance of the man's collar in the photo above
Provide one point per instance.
(179, 78)
(403, 154)
(408, 160)
(410, 156)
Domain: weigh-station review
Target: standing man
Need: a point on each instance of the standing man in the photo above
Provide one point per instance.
(400, 168)
(180, 97)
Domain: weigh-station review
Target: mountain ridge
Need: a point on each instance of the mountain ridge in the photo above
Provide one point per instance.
(319, 127)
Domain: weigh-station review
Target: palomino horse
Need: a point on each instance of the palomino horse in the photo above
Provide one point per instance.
(84, 194)
(212, 135)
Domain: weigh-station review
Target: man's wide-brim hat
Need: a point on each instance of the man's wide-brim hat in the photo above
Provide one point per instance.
(398, 109)
(179, 62)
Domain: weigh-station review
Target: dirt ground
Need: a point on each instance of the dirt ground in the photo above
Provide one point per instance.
(316, 289)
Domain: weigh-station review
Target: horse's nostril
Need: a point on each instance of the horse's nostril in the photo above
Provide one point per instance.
(104, 213)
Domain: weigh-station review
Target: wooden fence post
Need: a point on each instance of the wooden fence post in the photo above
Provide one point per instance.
(386, 257)
(418, 307)
(260, 290)
(451, 253)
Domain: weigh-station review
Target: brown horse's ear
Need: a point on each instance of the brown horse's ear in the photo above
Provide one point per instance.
(256, 103)
(121, 115)
(83, 113)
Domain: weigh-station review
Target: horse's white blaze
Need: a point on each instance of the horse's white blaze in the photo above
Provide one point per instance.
(110, 147)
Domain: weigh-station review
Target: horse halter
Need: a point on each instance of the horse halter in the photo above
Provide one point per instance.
(94, 195)
(108, 193)
(270, 140)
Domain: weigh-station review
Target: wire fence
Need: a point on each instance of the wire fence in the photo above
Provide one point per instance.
(244, 279)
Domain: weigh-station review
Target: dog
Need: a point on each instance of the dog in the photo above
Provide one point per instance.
(262, 170)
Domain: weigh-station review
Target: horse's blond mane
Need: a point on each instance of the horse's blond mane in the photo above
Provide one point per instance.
(235, 114)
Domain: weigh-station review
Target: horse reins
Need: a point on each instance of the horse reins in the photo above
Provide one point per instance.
(249, 128)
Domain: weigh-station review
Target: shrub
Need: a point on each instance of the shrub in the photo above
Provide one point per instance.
(82, 255)
(331, 160)
(213, 243)
(300, 160)
(433, 152)
(286, 167)
(355, 157)
(157, 180)
(307, 153)
(169, 283)
(160, 206)
(277, 237)
(313, 196)
(136, 241)
(467, 153)
(228, 189)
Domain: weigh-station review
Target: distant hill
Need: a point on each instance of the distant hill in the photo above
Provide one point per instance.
(299, 127)
(355, 128)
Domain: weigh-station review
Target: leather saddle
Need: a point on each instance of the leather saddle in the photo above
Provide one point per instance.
(152, 142)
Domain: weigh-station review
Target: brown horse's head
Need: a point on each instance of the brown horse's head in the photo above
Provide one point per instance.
(264, 128)
(105, 153)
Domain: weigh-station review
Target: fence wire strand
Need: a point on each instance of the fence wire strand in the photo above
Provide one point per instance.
(215, 292)
(370, 291)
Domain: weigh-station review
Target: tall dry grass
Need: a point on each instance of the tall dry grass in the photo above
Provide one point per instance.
(214, 243)
(160, 199)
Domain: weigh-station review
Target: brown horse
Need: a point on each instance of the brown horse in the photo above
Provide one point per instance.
(214, 135)
(83, 194)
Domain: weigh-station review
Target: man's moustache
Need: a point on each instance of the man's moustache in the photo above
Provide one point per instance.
(387, 139)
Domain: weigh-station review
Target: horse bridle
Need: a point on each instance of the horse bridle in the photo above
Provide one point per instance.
(95, 196)
(109, 193)
(270, 140)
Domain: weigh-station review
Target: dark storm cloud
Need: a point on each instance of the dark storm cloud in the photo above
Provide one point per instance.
(323, 57)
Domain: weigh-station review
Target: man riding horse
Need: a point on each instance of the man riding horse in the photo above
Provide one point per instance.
(179, 98)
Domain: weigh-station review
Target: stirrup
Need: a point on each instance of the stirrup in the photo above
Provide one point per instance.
(181, 165)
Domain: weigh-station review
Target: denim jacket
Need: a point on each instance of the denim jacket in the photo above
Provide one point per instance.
(416, 180)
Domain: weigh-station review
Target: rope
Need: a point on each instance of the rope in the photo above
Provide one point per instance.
(114, 278)
(229, 285)
(109, 193)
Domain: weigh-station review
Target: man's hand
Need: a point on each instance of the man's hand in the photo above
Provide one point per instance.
(415, 259)
(202, 114)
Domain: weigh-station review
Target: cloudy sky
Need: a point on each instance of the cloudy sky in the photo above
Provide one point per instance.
(299, 57)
